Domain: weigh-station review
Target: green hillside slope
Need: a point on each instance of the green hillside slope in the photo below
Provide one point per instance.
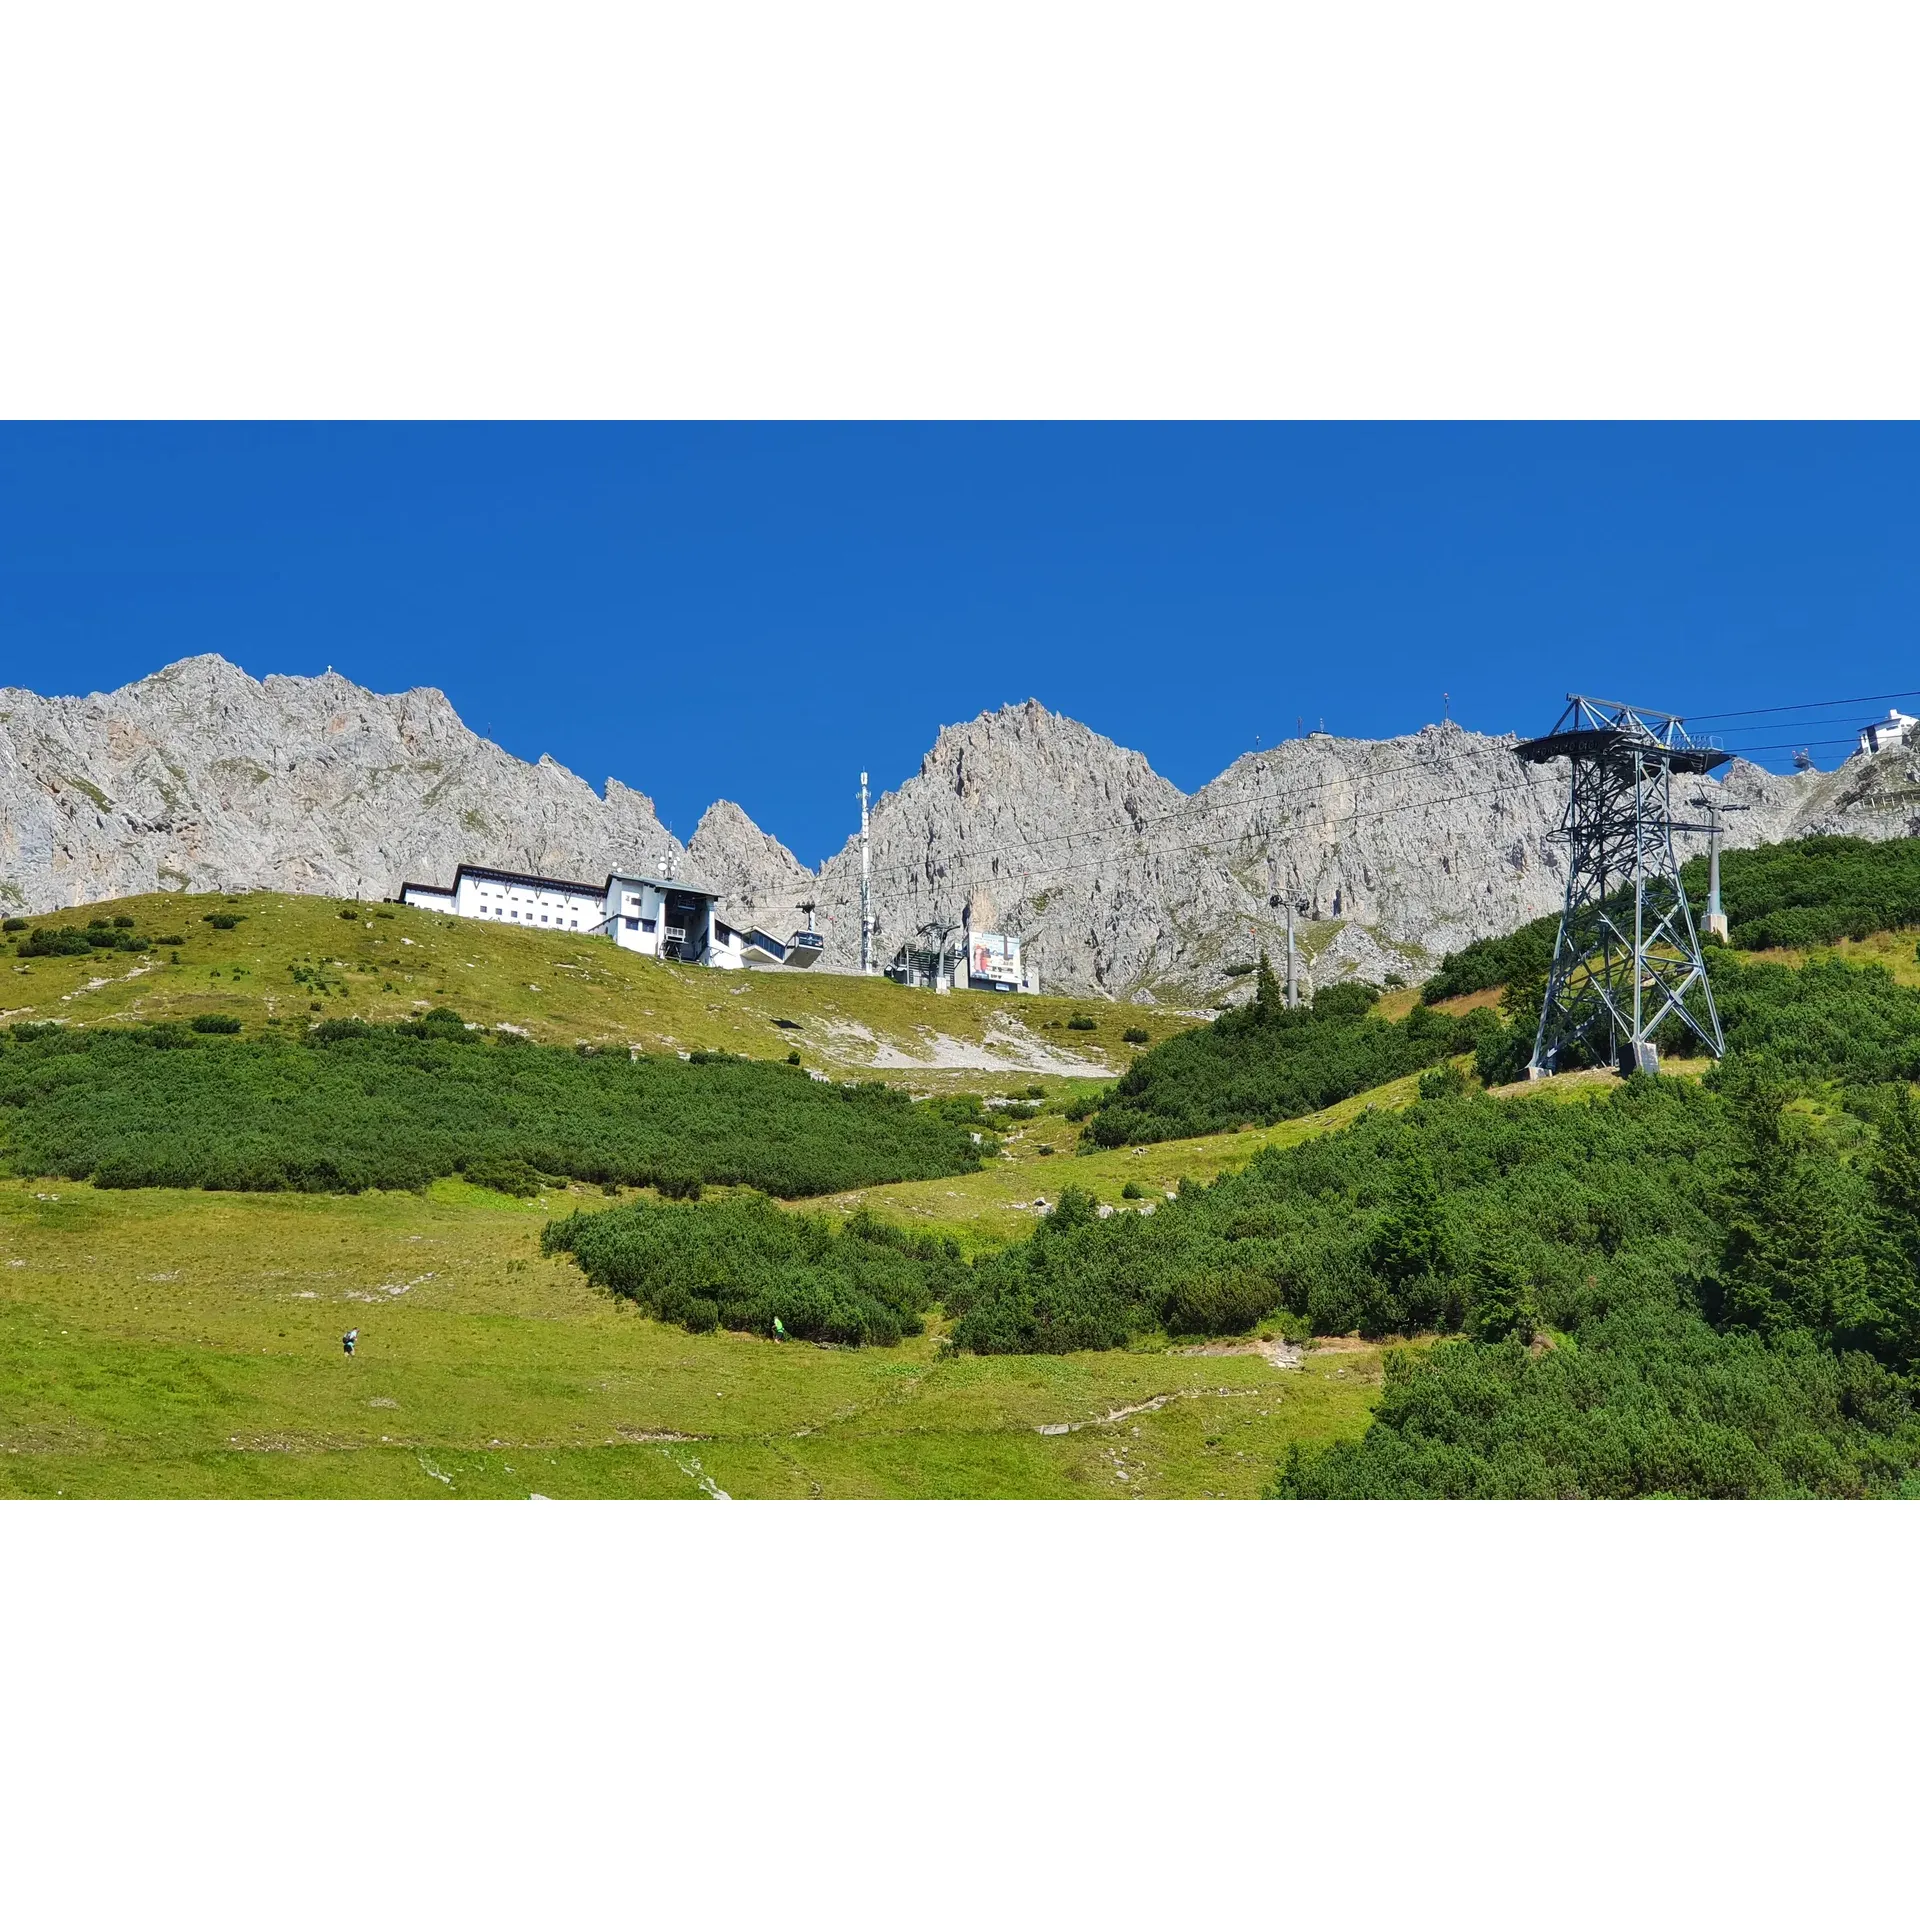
(291, 959)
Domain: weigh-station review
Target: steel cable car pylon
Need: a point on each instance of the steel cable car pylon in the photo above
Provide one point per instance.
(1622, 963)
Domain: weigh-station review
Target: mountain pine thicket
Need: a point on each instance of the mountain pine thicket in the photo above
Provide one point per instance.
(1797, 893)
(353, 1106)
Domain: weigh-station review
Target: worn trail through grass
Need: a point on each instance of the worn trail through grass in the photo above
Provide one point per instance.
(165, 1343)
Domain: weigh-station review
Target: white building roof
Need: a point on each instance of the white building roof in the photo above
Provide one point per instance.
(677, 883)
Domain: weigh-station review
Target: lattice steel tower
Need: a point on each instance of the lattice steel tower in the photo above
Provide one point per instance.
(1622, 963)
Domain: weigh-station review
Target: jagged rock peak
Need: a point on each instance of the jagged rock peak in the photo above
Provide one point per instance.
(201, 777)
(1029, 735)
(758, 878)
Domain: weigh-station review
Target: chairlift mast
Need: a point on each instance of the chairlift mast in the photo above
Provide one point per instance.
(1714, 920)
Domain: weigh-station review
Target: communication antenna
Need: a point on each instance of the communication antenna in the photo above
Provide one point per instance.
(866, 891)
(1613, 980)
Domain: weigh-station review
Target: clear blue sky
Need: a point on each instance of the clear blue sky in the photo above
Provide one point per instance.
(758, 612)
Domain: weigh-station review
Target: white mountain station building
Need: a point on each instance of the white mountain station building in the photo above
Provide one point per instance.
(1894, 731)
(671, 916)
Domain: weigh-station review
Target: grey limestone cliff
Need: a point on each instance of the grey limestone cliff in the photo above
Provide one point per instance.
(761, 883)
(1395, 851)
(203, 778)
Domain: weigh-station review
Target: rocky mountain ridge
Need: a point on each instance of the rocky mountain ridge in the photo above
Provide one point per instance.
(202, 778)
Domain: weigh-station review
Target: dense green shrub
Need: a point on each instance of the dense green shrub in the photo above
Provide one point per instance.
(1399, 1224)
(1506, 960)
(742, 1263)
(1652, 1400)
(1080, 1281)
(214, 1023)
(51, 942)
(1136, 1037)
(396, 1107)
(505, 1173)
(1267, 1062)
(68, 942)
(13, 924)
(226, 922)
(1830, 1020)
(1810, 892)
(1081, 1023)
(1800, 893)
(1732, 1301)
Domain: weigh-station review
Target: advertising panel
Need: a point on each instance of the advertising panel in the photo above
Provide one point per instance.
(996, 958)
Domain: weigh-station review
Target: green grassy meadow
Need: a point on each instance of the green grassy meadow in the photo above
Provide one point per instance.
(180, 1343)
(294, 959)
(163, 1343)
(175, 1343)
(995, 1205)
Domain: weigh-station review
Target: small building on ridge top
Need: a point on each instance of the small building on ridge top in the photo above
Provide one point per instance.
(670, 916)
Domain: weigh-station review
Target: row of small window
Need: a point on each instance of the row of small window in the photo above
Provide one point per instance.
(513, 913)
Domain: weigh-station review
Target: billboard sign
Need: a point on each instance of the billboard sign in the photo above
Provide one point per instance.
(995, 957)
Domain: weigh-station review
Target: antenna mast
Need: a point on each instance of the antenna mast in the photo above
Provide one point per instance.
(1614, 980)
(866, 889)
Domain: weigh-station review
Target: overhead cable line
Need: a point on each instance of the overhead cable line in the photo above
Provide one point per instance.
(1803, 706)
